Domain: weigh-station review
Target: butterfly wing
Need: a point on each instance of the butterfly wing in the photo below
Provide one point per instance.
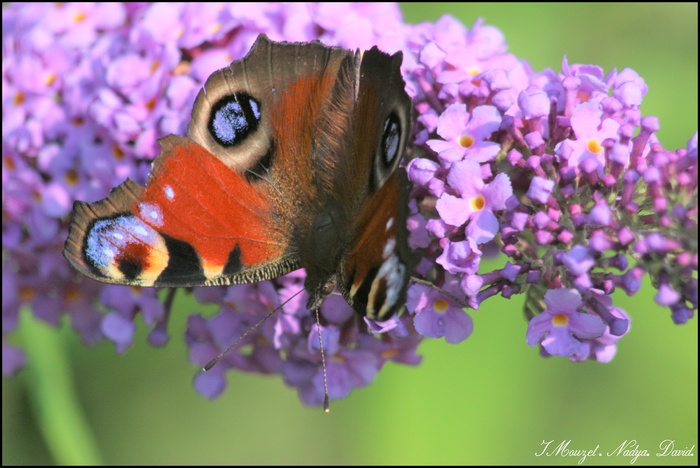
(375, 270)
(197, 222)
(224, 205)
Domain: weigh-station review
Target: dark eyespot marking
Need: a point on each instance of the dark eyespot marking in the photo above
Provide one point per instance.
(122, 242)
(130, 269)
(360, 300)
(233, 264)
(233, 118)
(380, 296)
(184, 262)
(391, 139)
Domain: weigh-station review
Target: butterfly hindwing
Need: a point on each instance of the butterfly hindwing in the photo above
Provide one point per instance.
(376, 269)
(195, 223)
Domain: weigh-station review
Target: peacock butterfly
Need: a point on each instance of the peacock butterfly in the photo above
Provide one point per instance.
(291, 160)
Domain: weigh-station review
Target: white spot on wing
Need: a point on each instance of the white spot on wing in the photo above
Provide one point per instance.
(389, 247)
(393, 272)
(151, 213)
(140, 230)
(169, 192)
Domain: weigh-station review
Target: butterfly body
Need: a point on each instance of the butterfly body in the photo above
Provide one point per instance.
(291, 160)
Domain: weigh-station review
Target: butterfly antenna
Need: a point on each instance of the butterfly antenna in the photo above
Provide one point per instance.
(442, 291)
(326, 400)
(213, 362)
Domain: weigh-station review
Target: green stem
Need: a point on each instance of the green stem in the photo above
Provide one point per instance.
(52, 394)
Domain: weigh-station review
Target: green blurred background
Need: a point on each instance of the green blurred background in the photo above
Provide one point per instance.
(489, 400)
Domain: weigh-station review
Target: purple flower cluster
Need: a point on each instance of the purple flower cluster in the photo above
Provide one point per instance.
(546, 168)
(543, 166)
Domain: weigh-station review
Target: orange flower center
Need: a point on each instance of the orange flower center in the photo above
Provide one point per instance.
(440, 305)
(79, 17)
(26, 293)
(151, 104)
(72, 295)
(71, 177)
(560, 320)
(478, 202)
(9, 163)
(466, 141)
(118, 153)
(50, 78)
(594, 146)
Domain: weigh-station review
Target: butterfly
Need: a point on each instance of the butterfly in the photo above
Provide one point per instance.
(291, 160)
